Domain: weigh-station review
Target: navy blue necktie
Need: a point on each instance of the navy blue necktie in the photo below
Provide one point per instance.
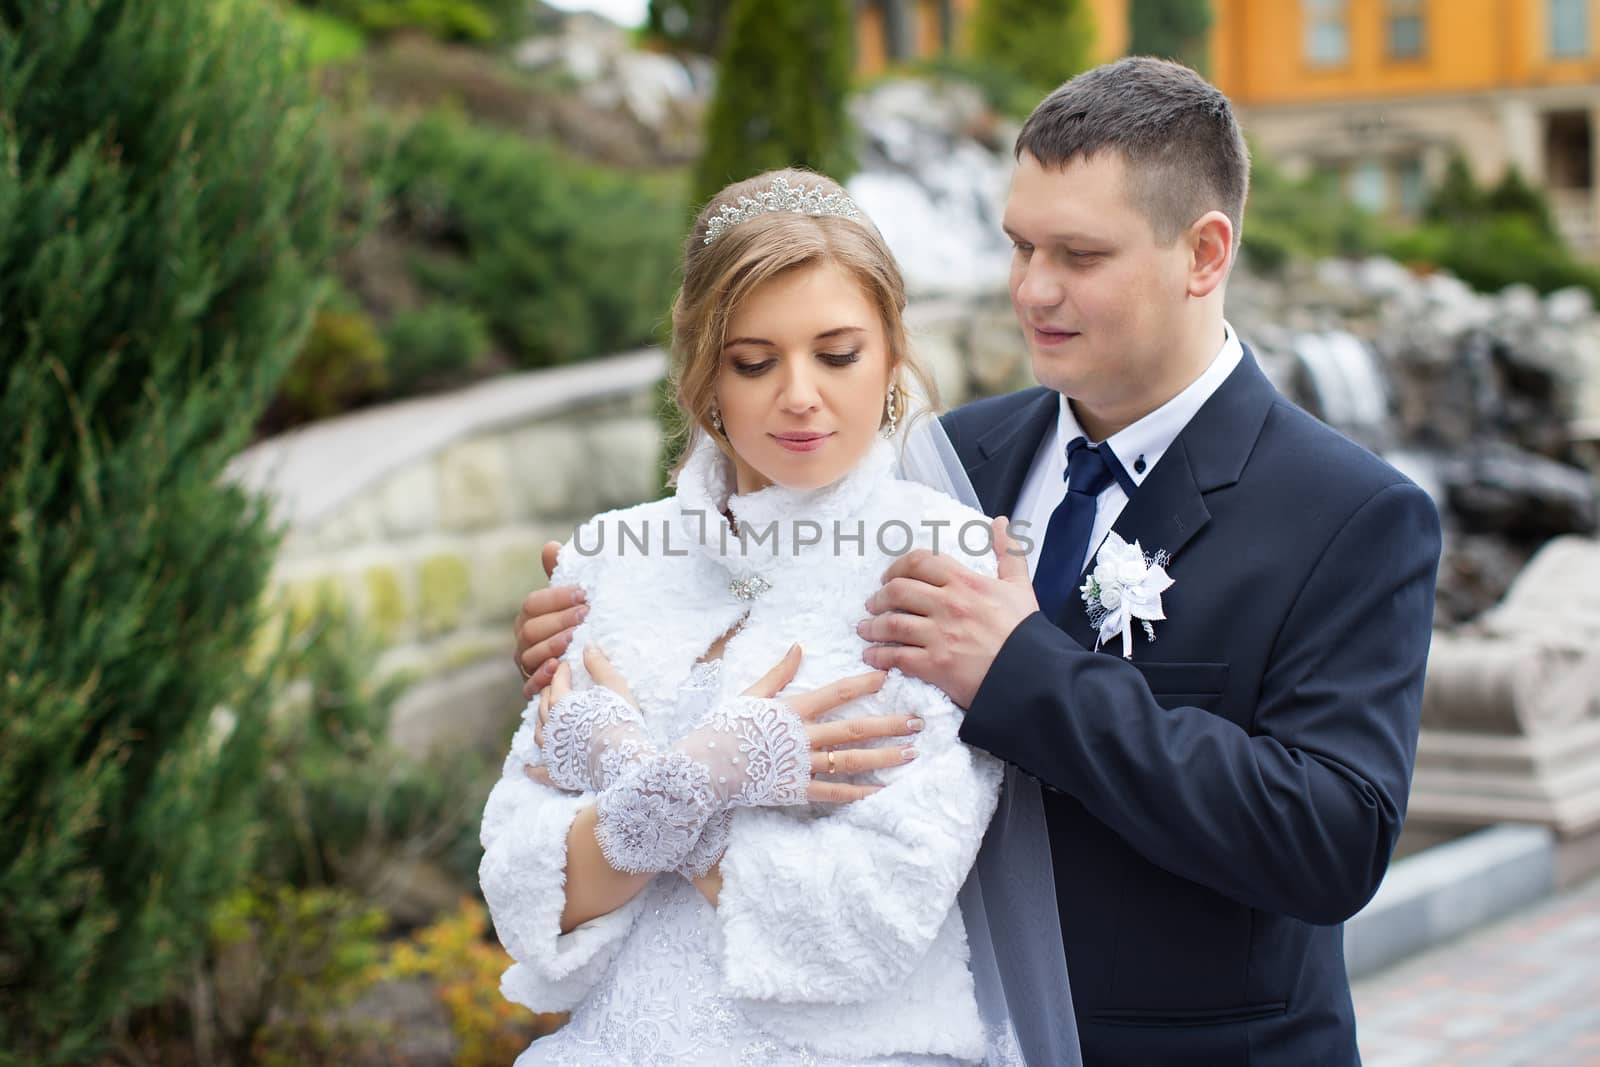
(1066, 540)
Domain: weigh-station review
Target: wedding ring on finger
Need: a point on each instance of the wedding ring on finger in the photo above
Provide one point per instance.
(832, 766)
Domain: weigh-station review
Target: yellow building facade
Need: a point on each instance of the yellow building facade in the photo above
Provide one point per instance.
(900, 31)
(1382, 91)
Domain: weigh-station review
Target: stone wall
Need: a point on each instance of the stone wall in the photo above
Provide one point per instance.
(426, 517)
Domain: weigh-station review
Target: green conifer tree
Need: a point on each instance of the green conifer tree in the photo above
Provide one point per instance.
(1516, 197)
(166, 220)
(782, 78)
(1172, 29)
(1456, 200)
(1042, 42)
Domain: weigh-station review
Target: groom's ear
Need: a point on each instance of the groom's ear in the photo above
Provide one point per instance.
(1210, 241)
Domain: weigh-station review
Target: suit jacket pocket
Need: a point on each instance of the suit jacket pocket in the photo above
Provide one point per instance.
(1168, 680)
(1244, 1013)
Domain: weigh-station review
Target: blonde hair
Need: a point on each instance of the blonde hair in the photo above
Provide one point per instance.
(719, 275)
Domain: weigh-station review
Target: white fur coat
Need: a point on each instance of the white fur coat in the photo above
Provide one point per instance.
(821, 906)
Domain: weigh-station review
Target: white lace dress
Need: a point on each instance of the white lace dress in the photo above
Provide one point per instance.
(836, 939)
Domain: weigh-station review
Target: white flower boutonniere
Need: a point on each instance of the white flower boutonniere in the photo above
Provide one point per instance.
(1126, 585)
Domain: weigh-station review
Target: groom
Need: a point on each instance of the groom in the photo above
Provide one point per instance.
(1219, 803)
(1226, 787)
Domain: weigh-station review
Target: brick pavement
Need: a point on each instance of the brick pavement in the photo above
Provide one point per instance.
(1524, 990)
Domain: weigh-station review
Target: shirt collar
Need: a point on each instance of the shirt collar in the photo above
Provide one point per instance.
(1150, 437)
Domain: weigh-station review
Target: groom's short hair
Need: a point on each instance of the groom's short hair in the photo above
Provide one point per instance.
(1176, 132)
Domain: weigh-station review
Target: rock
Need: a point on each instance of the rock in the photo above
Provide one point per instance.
(655, 101)
(506, 569)
(411, 1020)
(1453, 307)
(663, 93)
(387, 602)
(408, 501)
(1520, 301)
(1569, 307)
(1556, 598)
(1475, 572)
(412, 891)
(997, 356)
(941, 355)
(443, 584)
(621, 458)
(1498, 488)
(1384, 278)
(474, 707)
(472, 478)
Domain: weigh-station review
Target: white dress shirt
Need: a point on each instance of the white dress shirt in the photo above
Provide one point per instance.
(1138, 447)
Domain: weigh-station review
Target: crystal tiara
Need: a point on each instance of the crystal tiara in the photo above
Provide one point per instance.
(780, 197)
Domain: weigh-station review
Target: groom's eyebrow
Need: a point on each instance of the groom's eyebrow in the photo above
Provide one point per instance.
(1054, 238)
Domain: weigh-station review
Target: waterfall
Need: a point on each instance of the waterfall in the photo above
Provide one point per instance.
(1346, 382)
(934, 192)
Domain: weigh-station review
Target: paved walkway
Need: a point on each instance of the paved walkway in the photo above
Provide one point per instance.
(1525, 990)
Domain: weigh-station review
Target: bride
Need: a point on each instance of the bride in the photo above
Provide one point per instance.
(715, 842)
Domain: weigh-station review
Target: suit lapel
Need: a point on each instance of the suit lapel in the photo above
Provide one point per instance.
(1210, 453)
(1007, 452)
(1167, 510)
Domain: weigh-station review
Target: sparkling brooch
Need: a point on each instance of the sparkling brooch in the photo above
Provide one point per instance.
(780, 197)
(749, 587)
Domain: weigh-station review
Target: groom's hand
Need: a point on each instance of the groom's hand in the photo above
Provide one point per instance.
(544, 627)
(946, 623)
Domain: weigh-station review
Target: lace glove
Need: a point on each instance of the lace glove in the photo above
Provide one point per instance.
(748, 752)
(591, 736)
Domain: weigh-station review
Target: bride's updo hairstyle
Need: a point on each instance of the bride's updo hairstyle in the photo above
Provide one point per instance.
(746, 236)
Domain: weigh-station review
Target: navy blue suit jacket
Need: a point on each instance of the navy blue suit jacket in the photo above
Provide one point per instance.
(1221, 803)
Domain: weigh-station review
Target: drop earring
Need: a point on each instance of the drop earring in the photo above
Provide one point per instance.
(893, 415)
(716, 420)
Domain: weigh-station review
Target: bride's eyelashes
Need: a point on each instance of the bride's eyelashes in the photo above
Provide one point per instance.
(836, 359)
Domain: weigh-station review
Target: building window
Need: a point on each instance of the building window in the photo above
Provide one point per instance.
(1369, 186)
(1404, 28)
(1569, 27)
(1568, 150)
(1412, 187)
(1327, 32)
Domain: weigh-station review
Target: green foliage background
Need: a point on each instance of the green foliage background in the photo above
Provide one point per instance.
(166, 222)
(783, 78)
(1041, 42)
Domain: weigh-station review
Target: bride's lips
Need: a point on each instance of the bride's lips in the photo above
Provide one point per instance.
(1050, 336)
(801, 441)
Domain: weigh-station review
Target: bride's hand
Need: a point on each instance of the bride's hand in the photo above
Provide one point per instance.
(547, 697)
(605, 676)
(812, 705)
(826, 759)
